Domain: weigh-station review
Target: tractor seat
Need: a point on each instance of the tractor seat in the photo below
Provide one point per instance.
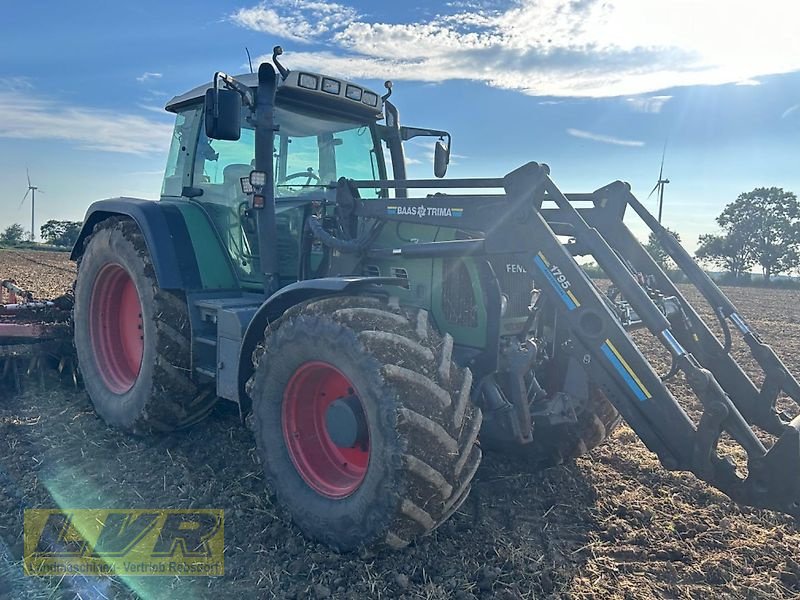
(231, 177)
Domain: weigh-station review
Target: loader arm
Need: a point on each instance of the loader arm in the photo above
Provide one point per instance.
(518, 222)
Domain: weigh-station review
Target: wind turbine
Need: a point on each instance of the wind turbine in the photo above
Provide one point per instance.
(32, 191)
(660, 184)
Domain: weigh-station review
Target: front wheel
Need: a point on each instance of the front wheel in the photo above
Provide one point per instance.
(363, 423)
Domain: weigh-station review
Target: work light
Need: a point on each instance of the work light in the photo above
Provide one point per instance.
(331, 86)
(370, 99)
(310, 82)
(258, 179)
(353, 92)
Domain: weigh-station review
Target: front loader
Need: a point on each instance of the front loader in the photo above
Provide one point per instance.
(379, 332)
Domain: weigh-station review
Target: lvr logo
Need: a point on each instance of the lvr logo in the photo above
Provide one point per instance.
(116, 538)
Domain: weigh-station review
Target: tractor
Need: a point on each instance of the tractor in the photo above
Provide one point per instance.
(378, 333)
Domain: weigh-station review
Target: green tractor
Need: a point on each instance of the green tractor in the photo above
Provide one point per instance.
(377, 340)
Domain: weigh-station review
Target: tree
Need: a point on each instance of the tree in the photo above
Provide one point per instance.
(763, 225)
(13, 235)
(657, 252)
(730, 251)
(61, 233)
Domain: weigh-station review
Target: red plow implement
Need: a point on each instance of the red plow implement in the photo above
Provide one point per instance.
(34, 334)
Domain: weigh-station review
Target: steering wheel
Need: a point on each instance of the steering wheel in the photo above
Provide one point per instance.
(309, 174)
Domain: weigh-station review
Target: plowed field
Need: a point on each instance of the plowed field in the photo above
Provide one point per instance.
(611, 525)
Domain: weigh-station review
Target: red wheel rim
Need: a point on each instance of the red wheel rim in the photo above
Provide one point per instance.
(116, 329)
(331, 471)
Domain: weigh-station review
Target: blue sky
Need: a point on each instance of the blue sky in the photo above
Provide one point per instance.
(594, 88)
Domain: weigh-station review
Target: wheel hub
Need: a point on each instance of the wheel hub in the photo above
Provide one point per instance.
(345, 422)
(116, 328)
(325, 430)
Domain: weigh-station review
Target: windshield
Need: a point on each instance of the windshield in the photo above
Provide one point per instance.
(309, 152)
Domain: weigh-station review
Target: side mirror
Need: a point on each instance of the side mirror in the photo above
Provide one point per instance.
(223, 114)
(441, 158)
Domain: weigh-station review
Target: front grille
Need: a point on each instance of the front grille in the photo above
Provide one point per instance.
(458, 290)
(458, 296)
(515, 283)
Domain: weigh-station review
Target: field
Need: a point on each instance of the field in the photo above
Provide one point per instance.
(612, 525)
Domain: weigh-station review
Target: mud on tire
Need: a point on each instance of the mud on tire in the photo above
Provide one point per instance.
(422, 426)
(163, 396)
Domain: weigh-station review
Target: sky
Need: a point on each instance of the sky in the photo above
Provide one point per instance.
(594, 88)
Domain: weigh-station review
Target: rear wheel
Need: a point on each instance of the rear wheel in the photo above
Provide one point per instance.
(132, 338)
(363, 423)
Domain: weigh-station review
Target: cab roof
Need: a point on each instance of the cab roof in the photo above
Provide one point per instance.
(306, 88)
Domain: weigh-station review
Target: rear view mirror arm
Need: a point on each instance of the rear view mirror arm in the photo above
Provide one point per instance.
(232, 84)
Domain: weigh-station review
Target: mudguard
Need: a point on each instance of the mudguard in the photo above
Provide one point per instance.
(179, 237)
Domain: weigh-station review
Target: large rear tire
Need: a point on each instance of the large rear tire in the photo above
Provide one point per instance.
(132, 338)
(406, 462)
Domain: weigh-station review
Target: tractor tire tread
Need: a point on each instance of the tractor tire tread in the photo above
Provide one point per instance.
(437, 436)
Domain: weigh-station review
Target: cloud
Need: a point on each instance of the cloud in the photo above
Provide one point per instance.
(605, 139)
(26, 116)
(584, 48)
(147, 76)
(648, 104)
(300, 21)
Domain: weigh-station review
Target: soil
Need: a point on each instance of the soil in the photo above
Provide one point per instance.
(611, 525)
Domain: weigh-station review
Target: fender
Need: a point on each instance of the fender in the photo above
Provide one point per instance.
(291, 295)
(170, 239)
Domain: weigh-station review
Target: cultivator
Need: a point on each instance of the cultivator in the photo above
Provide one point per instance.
(35, 335)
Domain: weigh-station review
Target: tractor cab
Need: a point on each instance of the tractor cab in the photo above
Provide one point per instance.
(325, 129)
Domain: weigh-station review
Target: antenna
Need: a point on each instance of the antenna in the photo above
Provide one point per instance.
(660, 184)
(249, 60)
(32, 191)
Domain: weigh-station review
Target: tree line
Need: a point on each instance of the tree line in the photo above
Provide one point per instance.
(760, 229)
(55, 233)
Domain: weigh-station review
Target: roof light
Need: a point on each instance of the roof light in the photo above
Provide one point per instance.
(370, 99)
(354, 92)
(331, 86)
(310, 82)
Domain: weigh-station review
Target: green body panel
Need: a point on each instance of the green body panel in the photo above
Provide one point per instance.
(226, 246)
(213, 263)
(426, 278)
